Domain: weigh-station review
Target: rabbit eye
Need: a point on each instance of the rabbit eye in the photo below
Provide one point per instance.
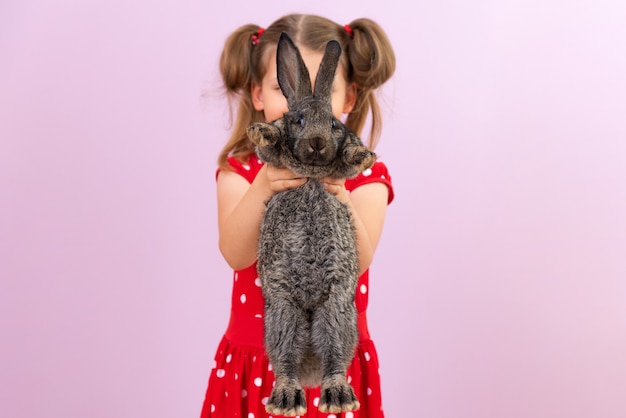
(300, 121)
(333, 124)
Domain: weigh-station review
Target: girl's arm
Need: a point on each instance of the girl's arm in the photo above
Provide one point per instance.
(368, 204)
(240, 207)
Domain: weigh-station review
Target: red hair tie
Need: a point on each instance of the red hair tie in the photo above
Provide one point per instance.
(257, 36)
(349, 30)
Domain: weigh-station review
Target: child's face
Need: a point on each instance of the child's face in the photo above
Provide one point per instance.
(268, 97)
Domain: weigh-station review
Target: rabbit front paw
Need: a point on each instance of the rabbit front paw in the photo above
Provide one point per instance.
(287, 399)
(360, 157)
(260, 134)
(266, 134)
(337, 395)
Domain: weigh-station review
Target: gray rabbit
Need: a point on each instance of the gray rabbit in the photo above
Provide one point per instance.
(307, 257)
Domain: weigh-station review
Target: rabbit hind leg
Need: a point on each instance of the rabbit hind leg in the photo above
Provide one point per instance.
(336, 346)
(286, 334)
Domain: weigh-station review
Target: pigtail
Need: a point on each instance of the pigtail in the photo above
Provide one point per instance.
(372, 63)
(371, 54)
(237, 72)
(235, 59)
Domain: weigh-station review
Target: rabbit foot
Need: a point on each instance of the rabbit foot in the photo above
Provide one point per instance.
(265, 134)
(287, 399)
(359, 156)
(337, 396)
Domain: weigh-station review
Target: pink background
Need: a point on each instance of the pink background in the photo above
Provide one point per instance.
(499, 287)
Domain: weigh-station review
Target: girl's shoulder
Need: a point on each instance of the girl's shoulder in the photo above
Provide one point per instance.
(248, 169)
(378, 173)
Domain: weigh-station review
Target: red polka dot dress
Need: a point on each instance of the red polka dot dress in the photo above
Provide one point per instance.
(241, 379)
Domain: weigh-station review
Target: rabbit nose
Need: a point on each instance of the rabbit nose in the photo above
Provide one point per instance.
(317, 144)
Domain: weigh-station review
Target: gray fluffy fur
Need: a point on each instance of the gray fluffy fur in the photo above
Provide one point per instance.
(307, 259)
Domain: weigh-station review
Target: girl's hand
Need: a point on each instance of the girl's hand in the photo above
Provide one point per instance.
(281, 179)
(337, 187)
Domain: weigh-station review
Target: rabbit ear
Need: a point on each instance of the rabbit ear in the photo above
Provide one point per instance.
(293, 77)
(326, 72)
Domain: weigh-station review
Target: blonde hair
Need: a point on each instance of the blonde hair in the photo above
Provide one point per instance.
(368, 61)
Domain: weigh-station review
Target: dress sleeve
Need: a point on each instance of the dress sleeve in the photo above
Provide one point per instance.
(378, 173)
(247, 170)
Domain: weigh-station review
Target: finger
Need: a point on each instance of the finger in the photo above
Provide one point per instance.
(333, 188)
(286, 184)
(283, 174)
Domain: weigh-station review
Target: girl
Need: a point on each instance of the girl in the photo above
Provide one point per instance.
(242, 378)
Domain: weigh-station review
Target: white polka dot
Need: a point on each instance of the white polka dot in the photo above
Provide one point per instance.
(236, 376)
(246, 167)
(259, 161)
(242, 298)
(349, 415)
(367, 172)
(258, 315)
(244, 393)
(269, 367)
(349, 379)
(225, 394)
(220, 373)
(369, 391)
(253, 359)
(236, 276)
(363, 289)
(257, 282)
(212, 408)
(316, 402)
(332, 416)
(258, 382)
(265, 400)
(229, 358)
(251, 415)
(367, 356)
